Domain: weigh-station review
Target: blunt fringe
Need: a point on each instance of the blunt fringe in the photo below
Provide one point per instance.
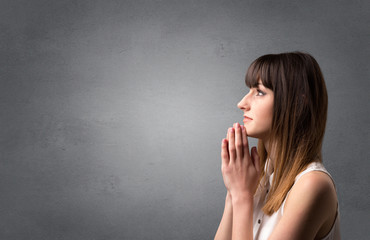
(299, 117)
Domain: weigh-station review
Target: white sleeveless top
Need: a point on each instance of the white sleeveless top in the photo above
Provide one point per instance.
(263, 225)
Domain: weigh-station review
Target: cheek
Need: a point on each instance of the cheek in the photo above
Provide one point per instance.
(267, 114)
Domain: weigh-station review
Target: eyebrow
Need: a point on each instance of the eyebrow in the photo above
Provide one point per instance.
(260, 84)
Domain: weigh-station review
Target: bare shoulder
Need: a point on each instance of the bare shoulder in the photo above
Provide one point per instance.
(316, 191)
(310, 208)
(316, 184)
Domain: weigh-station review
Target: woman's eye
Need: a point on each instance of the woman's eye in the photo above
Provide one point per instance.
(260, 93)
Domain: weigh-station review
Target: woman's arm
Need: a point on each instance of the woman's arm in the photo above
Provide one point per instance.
(243, 217)
(225, 228)
(240, 171)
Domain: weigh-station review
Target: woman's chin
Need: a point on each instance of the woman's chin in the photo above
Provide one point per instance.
(254, 135)
(251, 134)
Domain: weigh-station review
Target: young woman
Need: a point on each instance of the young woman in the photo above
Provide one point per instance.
(281, 191)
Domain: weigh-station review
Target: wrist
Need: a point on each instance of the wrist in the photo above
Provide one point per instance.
(242, 199)
(228, 200)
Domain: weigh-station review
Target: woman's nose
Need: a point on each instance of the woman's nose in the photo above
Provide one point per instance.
(244, 103)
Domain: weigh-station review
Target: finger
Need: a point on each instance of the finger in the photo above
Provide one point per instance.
(238, 141)
(256, 159)
(232, 151)
(245, 141)
(224, 152)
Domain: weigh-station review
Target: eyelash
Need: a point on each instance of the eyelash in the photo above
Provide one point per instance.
(260, 93)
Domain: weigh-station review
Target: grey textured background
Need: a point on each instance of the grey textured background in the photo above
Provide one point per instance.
(112, 112)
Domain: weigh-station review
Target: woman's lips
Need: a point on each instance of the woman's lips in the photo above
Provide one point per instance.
(247, 119)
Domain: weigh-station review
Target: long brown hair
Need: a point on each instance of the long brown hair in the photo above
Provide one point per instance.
(299, 117)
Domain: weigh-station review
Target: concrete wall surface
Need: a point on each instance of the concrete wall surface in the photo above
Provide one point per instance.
(112, 112)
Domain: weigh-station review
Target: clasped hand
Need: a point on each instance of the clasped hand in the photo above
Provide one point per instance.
(240, 169)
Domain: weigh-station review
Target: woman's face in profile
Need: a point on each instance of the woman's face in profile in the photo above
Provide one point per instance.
(257, 106)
